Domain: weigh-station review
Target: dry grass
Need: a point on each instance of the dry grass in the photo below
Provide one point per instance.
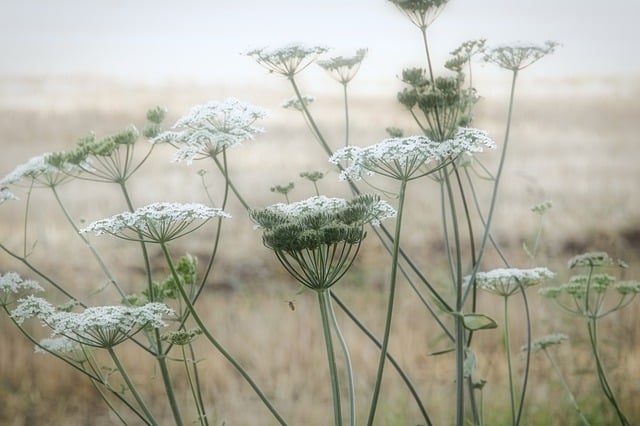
(573, 145)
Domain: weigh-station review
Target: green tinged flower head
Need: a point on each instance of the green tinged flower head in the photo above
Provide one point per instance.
(505, 282)
(101, 326)
(317, 239)
(409, 157)
(463, 54)
(210, 128)
(288, 60)
(298, 104)
(542, 208)
(519, 56)
(157, 222)
(344, 68)
(421, 12)
(594, 259)
(181, 337)
(43, 170)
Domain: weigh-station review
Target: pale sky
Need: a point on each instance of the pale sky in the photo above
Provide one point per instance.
(157, 40)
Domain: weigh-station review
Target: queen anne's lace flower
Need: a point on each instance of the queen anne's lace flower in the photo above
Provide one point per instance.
(344, 68)
(287, 60)
(406, 158)
(11, 284)
(421, 12)
(100, 326)
(60, 345)
(157, 222)
(505, 282)
(208, 129)
(40, 170)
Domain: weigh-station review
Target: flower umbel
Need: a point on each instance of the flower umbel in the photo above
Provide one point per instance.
(344, 68)
(11, 284)
(210, 128)
(157, 222)
(41, 171)
(421, 12)
(544, 342)
(505, 282)
(519, 56)
(287, 60)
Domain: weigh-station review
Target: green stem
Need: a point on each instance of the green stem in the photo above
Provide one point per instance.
(507, 348)
(213, 340)
(565, 386)
(346, 115)
(602, 376)
(347, 357)
(131, 387)
(389, 315)
(323, 300)
(192, 385)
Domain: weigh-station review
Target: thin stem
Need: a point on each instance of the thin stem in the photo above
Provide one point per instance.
(192, 385)
(213, 340)
(389, 315)
(527, 364)
(602, 376)
(131, 387)
(323, 300)
(347, 357)
(507, 348)
(565, 386)
(346, 115)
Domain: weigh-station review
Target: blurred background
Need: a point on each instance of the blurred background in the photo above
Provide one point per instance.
(68, 68)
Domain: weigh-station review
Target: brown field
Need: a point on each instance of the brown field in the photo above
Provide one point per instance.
(574, 141)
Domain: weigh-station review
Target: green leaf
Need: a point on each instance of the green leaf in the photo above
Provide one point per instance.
(475, 322)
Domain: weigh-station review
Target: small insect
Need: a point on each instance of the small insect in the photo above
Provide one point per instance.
(292, 305)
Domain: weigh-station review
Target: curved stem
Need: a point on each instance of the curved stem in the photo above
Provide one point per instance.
(527, 364)
(563, 382)
(507, 348)
(389, 315)
(215, 342)
(323, 300)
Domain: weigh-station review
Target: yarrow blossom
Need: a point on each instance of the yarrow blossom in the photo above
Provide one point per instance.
(210, 128)
(157, 222)
(405, 158)
(506, 281)
(287, 60)
(100, 326)
(518, 56)
(11, 284)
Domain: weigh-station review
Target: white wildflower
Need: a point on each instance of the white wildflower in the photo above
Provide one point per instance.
(40, 171)
(209, 128)
(32, 307)
(5, 195)
(11, 284)
(287, 60)
(506, 281)
(60, 345)
(517, 56)
(157, 222)
(342, 68)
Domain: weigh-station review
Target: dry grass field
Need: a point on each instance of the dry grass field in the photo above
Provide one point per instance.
(574, 141)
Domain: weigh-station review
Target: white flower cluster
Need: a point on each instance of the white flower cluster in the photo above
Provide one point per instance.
(380, 210)
(506, 281)
(287, 60)
(156, 222)
(100, 326)
(40, 171)
(209, 128)
(11, 283)
(61, 345)
(517, 56)
(403, 158)
(5, 195)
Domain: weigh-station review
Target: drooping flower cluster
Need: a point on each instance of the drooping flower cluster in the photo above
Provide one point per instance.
(101, 326)
(343, 68)
(11, 284)
(317, 239)
(157, 222)
(518, 56)
(210, 128)
(506, 281)
(287, 60)
(409, 157)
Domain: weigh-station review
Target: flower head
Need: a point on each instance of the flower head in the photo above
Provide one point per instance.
(41, 170)
(157, 222)
(505, 282)
(519, 56)
(317, 239)
(59, 345)
(287, 60)
(100, 326)
(344, 68)
(591, 260)
(208, 129)
(421, 12)
(11, 284)
(298, 104)
(544, 342)
(409, 157)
